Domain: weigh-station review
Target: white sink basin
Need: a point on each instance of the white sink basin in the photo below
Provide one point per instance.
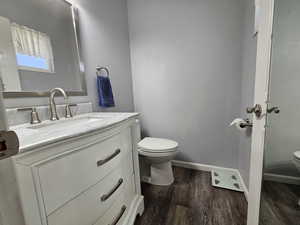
(65, 123)
(31, 136)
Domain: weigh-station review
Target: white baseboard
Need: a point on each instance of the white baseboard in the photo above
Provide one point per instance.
(282, 178)
(208, 168)
(198, 166)
(246, 191)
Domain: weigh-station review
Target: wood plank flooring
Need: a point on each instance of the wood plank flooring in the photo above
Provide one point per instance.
(191, 200)
(279, 204)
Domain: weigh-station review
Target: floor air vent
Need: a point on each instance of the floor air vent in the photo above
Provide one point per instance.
(226, 179)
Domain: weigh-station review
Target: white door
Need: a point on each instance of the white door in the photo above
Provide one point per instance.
(4, 51)
(3, 119)
(264, 43)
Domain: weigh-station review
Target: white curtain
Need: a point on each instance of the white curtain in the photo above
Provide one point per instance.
(34, 43)
(257, 16)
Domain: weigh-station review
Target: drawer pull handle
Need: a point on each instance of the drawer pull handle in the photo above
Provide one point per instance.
(116, 220)
(115, 188)
(103, 161)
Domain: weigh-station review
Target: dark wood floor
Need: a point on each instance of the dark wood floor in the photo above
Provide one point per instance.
(279, 204)
(191, 200)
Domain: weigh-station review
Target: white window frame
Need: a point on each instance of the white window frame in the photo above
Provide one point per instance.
(49, 59)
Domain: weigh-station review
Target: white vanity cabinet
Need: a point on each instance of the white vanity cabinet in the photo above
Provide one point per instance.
(89, 179)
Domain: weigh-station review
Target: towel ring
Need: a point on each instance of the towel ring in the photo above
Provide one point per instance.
(99, 69)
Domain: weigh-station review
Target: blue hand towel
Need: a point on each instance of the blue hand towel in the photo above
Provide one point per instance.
(105, 93)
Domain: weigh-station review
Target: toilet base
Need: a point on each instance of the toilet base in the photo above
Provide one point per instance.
(297, 164)
(162, 174)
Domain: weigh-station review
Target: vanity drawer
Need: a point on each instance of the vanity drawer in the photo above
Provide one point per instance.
(64, 178)
(116, 214)
(92, 204)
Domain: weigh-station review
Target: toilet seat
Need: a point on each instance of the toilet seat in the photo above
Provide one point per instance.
(157, 145)
(157, 154)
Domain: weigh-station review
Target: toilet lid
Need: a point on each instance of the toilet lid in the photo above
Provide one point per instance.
(157, 145)
(297, 155)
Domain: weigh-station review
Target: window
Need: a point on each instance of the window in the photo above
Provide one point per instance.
(27, 62)
(33, 49)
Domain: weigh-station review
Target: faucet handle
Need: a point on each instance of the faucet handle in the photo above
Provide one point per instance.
(34, 116)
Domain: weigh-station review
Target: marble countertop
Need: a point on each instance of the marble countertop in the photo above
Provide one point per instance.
(34, 136)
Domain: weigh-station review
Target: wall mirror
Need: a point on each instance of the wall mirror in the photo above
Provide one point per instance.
(40, 48)
(280, 196)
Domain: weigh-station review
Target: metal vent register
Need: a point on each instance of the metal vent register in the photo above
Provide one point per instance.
(226, 179)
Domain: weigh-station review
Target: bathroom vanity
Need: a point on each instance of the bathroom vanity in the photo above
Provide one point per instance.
(80, 171)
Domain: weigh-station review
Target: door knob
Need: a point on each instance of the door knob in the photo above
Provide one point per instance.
(257, 110)
(274, 109)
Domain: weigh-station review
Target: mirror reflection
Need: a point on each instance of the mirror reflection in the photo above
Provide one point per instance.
(39, 52)
(281, 185)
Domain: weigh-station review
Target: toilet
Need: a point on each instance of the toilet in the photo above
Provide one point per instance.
(158, 153)
(296, 161)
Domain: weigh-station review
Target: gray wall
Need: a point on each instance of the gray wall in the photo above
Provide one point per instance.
(186, 63)
(247, 90)
(105, 41)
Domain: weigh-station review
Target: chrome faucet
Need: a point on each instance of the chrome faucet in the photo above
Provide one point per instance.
(53, 112)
